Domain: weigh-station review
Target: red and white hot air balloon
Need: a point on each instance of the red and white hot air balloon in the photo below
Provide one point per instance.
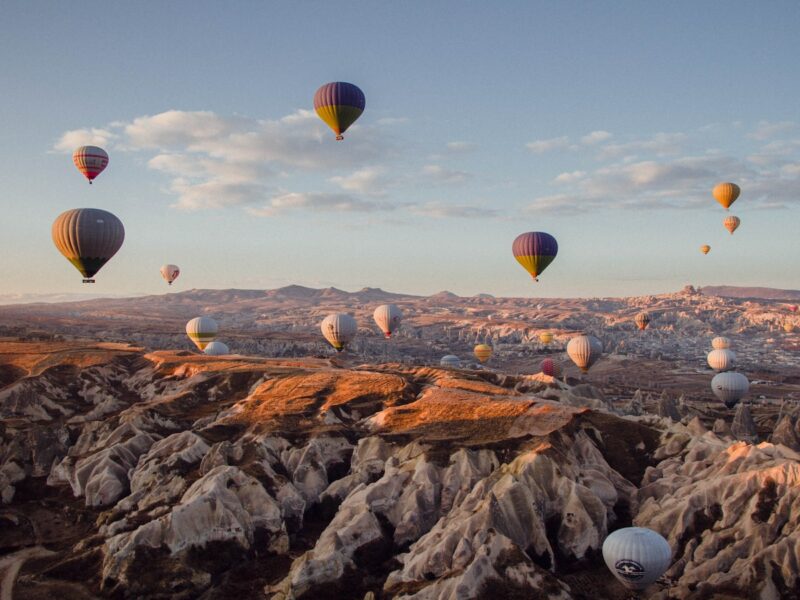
(90, 160)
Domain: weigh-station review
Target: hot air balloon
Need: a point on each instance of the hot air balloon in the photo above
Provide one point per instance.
(388, 318)
(339, 329)
(88, 238)
(170, 273)
(788, 326)
(705, 248)
(483, 352)
(339, 104)
(584, 350)
(90, 160)
(636, 556)
(545, 337)
(721, 359)
(726, 194)
(731, 223)
(730, 387)
(551, 368)
(642, 320)
(451, 360)
(720, 343)
(792, 308)
(535, 250)
(202, 331)
(216, 349)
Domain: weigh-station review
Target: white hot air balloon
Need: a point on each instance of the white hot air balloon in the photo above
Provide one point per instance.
(720, 343)
(451, 360)
(217, 349)
(730, 387)
(170, 273)
(388, 318)
(202, 331)
(721, 360)
(339, 329)
(636, 556)
(584, 350)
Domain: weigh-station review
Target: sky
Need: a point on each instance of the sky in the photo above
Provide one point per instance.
(604, 124)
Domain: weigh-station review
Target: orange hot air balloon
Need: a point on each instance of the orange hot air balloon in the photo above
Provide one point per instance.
(90, 160)
(732, 223)
(642, 320)
(726, 193)
(705, 248)
(483, 352)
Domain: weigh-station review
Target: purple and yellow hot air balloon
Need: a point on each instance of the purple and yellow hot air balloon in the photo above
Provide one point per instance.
(339, 104)
(535, 250)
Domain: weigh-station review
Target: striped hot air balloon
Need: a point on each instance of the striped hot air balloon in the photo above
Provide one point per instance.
(202, 331)
(584, 350)
(726, 193)
(216, 349)
(545, 337)
(730, 387)
(339, 329)
(170, 273)
(483, 352)
(535, 250)
(705, 248)
(720, 343)
(90, 160)
(88, 238)
(551, 368)
(732, 223)
(339, 104)
(450, 360)
(721, 359)
(642, 320)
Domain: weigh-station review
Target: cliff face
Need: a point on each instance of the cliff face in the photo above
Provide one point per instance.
(133, 475)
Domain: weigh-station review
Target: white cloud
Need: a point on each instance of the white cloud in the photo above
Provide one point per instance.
(765, 129)
(542, 146)
(661, 144)
(595, 137)
(461, 147)
(83, 137)
(441, 210)
(369, 180)
(294, 201)
(570, 177)
(441, 175)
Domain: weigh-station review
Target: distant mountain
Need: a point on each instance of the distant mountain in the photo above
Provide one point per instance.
(762, 293)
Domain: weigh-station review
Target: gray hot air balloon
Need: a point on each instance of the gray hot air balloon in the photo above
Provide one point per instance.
(584, 350)
(216, 349)
(451, 360)
(730, 387)
(88, 238)
(388, 318)
(339, 329)
(721, 360)
(720, 343)
(636, 556)
(202, 331)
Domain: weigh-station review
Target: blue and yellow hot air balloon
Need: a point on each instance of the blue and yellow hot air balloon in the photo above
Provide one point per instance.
(339, 104)
(535, 250)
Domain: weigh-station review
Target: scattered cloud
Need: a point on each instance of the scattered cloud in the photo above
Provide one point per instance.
(766, 130)
(595, 137)
(461, 147)
(543, 146)
(441, 210)
(295, 201)
(570, 177)
(438, 174)
(83, 137)
(660, 144)
(369, 180)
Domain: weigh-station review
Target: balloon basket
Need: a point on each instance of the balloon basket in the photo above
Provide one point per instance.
(88, 281)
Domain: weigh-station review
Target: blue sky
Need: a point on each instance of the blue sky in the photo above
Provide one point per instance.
(605, 124)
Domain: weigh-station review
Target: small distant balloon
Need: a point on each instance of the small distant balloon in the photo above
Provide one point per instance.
(535, 250)
(216, 349)
(705, 248)
(339, 329)
(90, 160)
(388, 317)
(170, 273)
(731, 223)
(726, 193)
(339, 104)
(202, 331)
(483, 352)
(792, 308)
(450, 360)
(584, 350)
(788, 327)
(642, 320)
(730, 387)
(721, 359)
(551, 368)
(545, 337)
(720, 343)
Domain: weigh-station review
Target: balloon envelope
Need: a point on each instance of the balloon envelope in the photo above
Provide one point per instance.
(642, 320)
(170, 273)
(535, 250)
(339, 104)
(584, 350)
(726, 193)
(202, 331)
(339, 329)
(551, 368)
(730, 387)
(483, 352)
(388, 318)
(88, 238)
(705, 248)
(636, 556)
(451, 360)
(545, 337)
(721, 359)
(90, 160)
(720, 343)
(216, 349)
(731, 223)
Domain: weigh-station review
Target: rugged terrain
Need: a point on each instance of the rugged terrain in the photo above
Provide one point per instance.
(126, 473)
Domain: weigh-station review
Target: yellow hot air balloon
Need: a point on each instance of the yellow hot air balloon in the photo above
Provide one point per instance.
(705, 248)
(731, 223)
(202, 331)
(545, 337)
(726, 193)
(788, 327)
(483, 352)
